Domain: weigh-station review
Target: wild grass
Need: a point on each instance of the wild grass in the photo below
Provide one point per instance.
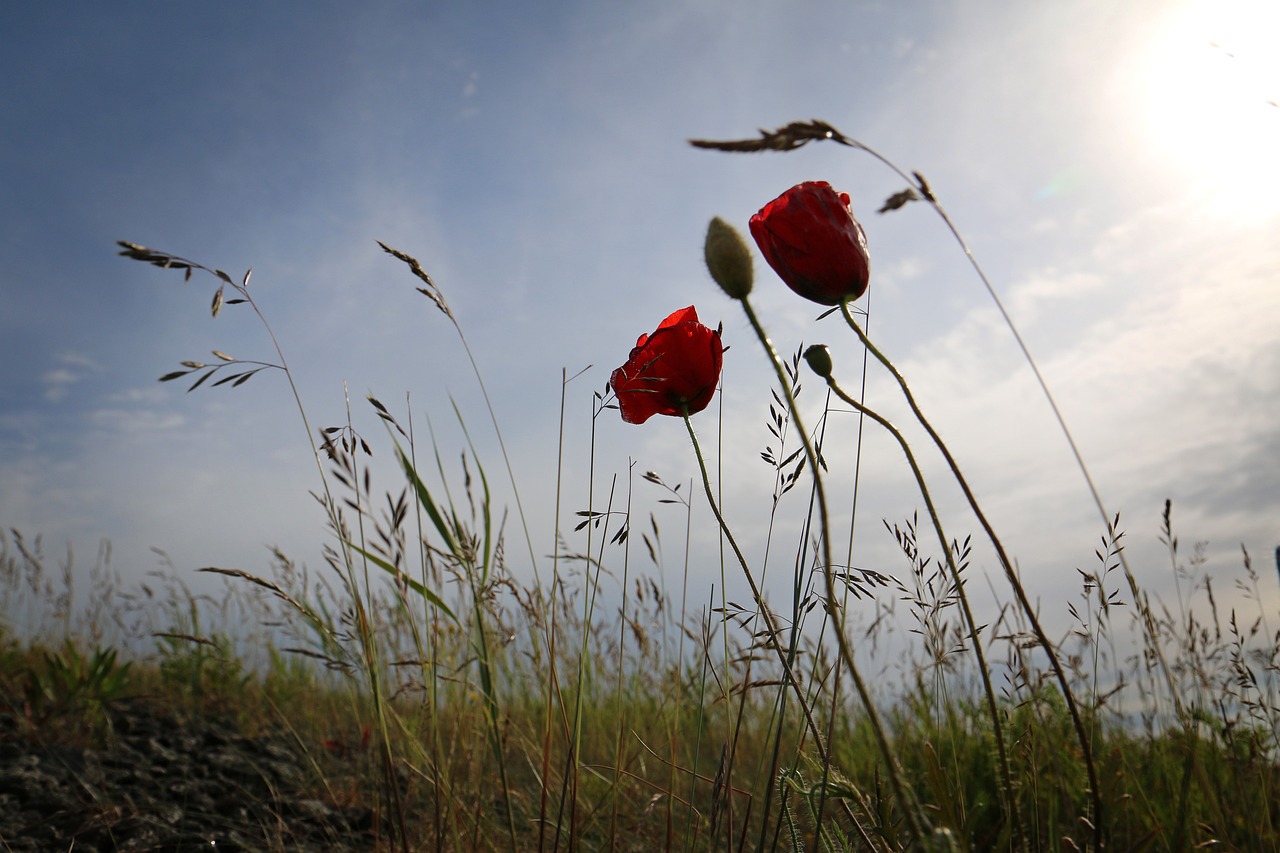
(594, 699)
(664, 759)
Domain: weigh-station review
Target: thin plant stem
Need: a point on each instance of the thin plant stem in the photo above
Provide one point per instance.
(915, 817)
(993, 709)
(730, 735)
(368, 639)
(778, 715)
(917, 181)
(433, 292)
(766, 614)
(588, 609)
(853, 517)
(690, 827)
(622, 635)
(756, 594)
(432, 618)
(1012, 576)
(553, 680)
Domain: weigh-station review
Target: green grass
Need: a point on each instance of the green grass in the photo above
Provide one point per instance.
(656, 732)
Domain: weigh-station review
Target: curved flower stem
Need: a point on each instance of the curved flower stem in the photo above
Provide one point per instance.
(992, 708)
(915, 816)
(1012, 576)
(917, 181)
(766, 614)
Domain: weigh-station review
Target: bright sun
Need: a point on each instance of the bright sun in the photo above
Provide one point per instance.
(1209, 91)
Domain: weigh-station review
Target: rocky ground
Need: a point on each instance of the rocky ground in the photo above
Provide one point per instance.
(146, 779)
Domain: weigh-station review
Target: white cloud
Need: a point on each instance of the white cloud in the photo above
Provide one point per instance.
(72, 368)
(56, 383)
(136, 420)
(1042, 290)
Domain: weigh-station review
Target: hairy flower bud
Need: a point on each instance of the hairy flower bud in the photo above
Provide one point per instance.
(728, 258)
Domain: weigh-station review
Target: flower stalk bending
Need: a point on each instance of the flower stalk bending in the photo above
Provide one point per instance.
(1019, 592)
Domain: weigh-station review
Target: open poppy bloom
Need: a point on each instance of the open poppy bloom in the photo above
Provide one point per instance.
(672, 371)
(810, 238)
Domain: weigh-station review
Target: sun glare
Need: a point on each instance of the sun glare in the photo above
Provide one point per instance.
(1209, 90)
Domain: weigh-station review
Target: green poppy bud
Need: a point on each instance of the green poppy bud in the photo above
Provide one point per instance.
(819, 359)
(728, 259)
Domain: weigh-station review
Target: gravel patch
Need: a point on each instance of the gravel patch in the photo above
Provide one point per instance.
(160, 782)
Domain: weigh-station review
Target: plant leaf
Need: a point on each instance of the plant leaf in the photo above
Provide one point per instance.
(413, 584)
(201, 380)
(425, 499)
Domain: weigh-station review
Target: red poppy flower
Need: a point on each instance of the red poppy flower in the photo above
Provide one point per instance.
(810, 238)
(672, 371)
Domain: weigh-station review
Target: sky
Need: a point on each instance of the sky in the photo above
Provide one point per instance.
(1111, 165)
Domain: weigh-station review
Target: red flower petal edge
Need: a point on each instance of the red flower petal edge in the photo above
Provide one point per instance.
(672, 371)
(811, 239)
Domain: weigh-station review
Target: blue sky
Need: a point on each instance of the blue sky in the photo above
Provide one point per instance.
(1112, 166)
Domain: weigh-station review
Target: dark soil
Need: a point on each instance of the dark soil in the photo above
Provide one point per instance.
(143, 778)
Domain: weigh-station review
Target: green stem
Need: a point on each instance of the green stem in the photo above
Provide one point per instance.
(365, 631)
(756, 594)
(767, 615)
(1005, 563)
(993, 709)
(918, 182)
(916, 819)
(1048, 396)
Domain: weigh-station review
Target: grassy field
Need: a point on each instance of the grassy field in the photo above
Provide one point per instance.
(638, 735)
(603, 705)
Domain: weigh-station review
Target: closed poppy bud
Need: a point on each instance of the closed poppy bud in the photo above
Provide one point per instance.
(672, 371)
(819, 359)
(810, 238)
(728, 258)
